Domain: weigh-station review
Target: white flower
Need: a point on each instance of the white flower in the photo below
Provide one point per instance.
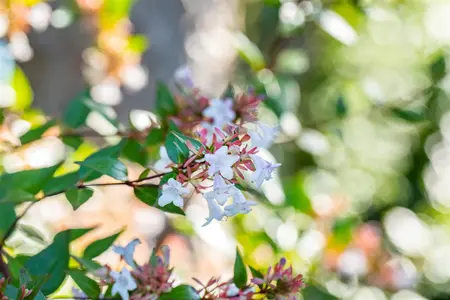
(215, 211)
(232, 290)
(76, 293)
(127, 252)
(263, 136)
(163, 162)
(209, 132)
(221, 162)
(221, 111)
(221, 190)
(263, 170)
(123, 282)
(172, 192)
(239, 206)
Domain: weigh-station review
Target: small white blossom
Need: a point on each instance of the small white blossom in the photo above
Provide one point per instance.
(163, 162)
(221, 190)
(76, 293)
(232, 290)
(221, 162)
(215, 211)
(264, 135)
(127, 252)
(221, 111)
(239, 206)
(123, 282)
(263, 170)
(172, 192)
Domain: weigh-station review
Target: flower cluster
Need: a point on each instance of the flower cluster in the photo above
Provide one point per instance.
(280, 282)
(230, 138)
(155, 278)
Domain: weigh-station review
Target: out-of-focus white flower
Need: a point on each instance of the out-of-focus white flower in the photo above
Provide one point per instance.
(163, 162)
(4, 24)
(240, 205)
(134, 77)
(124, 282)
(221, 111)
(7, 94)
(20, 127)
(127, 252)
(353, 262)
(264, 135)
(221, 162)
(19, 46)
(39, 16)
(183, 77)
(107, 92)
(215, 211)
(142, 119)
(172, 192)
(263, 170)
(232, 290)
(45, 153)
(221, 190)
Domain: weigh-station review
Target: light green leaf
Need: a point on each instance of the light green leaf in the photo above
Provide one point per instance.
(22, 87)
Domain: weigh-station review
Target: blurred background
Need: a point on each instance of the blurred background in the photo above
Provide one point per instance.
(360, 88)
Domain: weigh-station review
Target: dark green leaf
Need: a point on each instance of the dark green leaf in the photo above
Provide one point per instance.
(31, 181)
(147, 194)
(107, 166)
(313, 292)
(113, 151)
(78, 196)
(155, 137)
(438, 68)
(165, 102)
(135, 152)
(76, 113)
(341, 107)
(86, 284)
(78, 232)
(7, 217)
(185, 292)
(176, 147)
(36, 293)
(61, 183)
(88, 264)
(73, 141)
(35, 134)
(100, 246)
(256, 273)
(240, 271)
(52, 261)
(17, 197)
(411, 115)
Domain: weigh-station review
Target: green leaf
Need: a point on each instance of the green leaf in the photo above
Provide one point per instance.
(7, 218)
(144, 174)
(87, 174)
(36, 134)
(100, 246)
(78, 196)
(134, 151)
(176, 147)
(154, 137)
(183, 291)
(138, 43)
(107, 166)
(31, 181)
(86, 284)
(73, 141)
(313, 292)
(77, 111)
(32, 233)
(249, 52)
(51, 261)
(240, 271)
(88, 264)
(411, 115)
(438, 68)
(165, 102)
(61, 183)
(78, 232)
(341, 107)
(16, 197)
(256, 273)
(147, 194)
(36, 293)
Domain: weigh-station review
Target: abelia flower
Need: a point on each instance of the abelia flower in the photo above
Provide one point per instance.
(221, 161)
(263, 170)
(183, 77)
(127, 252)
(221, 190)
(164, 161)
(240, 205)
(220, 111)
(215, 211)
(172, 192)
(264, 135)
(123, 282)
